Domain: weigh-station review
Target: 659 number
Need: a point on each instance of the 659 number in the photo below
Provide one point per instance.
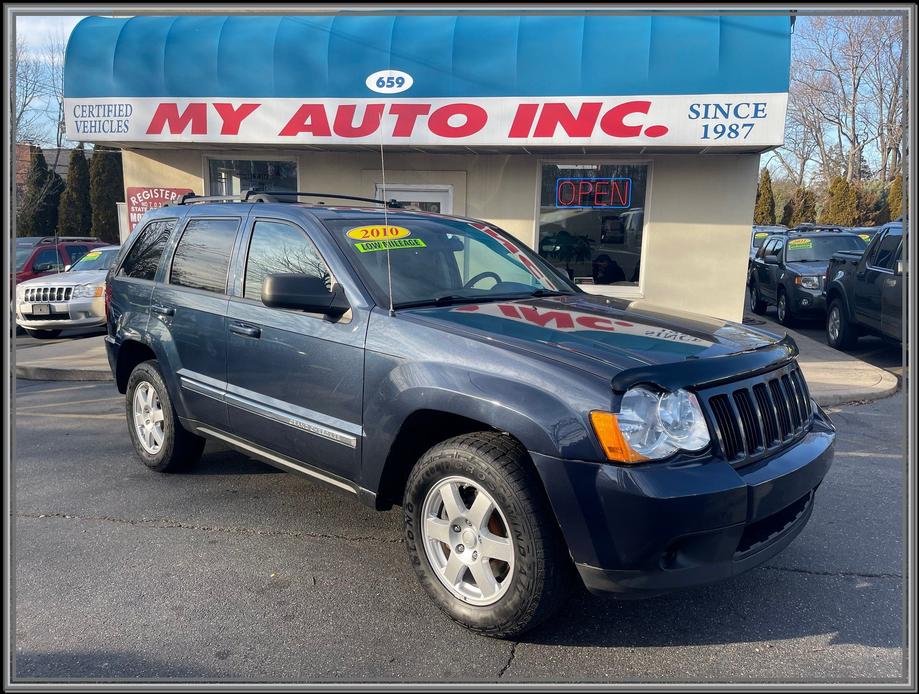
(389, 81)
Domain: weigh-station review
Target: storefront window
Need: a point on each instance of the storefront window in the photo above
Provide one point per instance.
(233, 176)
(591, 218)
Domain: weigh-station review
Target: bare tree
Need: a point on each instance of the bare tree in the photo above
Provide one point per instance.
(26, 88)
(885, 88)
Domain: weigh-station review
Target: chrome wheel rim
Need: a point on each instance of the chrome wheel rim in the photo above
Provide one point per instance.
(149, 419)
(833, 325)
(466, 539)
(781, 307)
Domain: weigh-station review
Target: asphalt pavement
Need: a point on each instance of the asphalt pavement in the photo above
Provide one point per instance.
(238, 572)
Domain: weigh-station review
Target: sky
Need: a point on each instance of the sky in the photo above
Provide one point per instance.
(37, 28)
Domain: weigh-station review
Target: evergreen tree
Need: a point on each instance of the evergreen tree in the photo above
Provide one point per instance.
(841, 205)
(805, 207)
(764, 211)
(788, 211)
(106, 187)
(74, 212)
(895, 199)
(37, 210)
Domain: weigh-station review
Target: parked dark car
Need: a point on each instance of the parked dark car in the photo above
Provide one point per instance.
(760, 233)
(531, 432)
(866, 233)
(789, 271)
(864, 290)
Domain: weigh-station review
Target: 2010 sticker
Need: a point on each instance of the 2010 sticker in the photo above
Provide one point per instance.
(377, 232)
(761, 234)
(388, 245)
(865, 237)
(92, 255)
(800, 243)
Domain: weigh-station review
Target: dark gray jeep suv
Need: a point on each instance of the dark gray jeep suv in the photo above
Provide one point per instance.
(534, 435)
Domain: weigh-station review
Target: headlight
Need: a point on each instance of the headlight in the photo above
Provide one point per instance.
(809, 282)
(87, 291)
(651, 426)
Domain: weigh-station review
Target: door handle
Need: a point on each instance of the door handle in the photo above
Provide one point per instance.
(245, 330)
(163, 310)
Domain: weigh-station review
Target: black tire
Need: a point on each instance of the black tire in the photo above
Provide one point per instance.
(757, 303)
(543, 572)
(179, 448)
(846, 335)
(783, 308)
(42, 334)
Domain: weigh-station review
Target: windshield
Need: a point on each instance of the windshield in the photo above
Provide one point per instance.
(443, 261)
(820, 247)
(22, 255)
(759, 237)
(95, 260)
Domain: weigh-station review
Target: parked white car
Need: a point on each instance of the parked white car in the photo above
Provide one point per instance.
(71, 299)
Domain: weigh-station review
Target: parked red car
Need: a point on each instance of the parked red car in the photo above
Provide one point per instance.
(44, 255)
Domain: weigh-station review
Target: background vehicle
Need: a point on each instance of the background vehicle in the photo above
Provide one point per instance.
(864, 290)
(789, 271)
(760, 232)
(50, 254)
(71, 299)
(531, 432)
(866, 233)
(809, 226)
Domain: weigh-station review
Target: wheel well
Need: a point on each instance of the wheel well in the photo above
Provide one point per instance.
(130, 354)
(419, 431)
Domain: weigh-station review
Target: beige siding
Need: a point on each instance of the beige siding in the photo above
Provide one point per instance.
(697, 223)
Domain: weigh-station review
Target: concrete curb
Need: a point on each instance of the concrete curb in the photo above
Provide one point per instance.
(47, 373)
(889, 385)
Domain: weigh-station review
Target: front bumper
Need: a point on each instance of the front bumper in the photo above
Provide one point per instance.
(808, 300)
(74, 313)
(649, 529)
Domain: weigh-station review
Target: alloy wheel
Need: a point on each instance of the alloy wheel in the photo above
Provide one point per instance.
(466, 539)
(149, 418)
(834, 324)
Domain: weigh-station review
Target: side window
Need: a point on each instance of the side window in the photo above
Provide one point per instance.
(279, 247)
(779, 247)
(887, 251)
(47, 259)
(202, 256)
(144, 256)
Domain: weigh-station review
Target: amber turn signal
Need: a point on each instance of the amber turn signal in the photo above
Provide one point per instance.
(613, 443)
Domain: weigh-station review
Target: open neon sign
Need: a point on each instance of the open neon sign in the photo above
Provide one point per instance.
(593, 192)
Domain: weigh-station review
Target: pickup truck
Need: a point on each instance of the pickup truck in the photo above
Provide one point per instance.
(864, 290)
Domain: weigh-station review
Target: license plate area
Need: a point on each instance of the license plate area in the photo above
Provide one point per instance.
(41, 309)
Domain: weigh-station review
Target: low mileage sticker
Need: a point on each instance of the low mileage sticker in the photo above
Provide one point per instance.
(388, 245)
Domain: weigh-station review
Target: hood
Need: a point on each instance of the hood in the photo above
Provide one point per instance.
(597, 332)
(66, 279)
(814, 267)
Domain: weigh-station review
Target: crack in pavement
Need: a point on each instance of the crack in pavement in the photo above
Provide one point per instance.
(166, 523)
(847, 574)
(510, 659)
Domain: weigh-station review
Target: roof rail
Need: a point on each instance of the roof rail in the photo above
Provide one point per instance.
(274, 195)
(188, 198)
(58, 239)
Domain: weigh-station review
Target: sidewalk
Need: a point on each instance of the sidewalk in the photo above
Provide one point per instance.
(833, 377)
(76, 360)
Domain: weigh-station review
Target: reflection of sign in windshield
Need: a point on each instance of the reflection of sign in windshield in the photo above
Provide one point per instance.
(576, 321)
(518, 255)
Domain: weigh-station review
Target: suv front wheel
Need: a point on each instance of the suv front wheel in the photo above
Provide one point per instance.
(481, 536)
(158, 437)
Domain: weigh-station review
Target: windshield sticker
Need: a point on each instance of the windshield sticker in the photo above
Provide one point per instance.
(92, 255)
(761, 234)
(800, 243)
(378, 232)
(865, 237)
(388, 245)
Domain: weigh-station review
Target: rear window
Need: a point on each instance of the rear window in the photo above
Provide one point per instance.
(202, 257)
(144, 256)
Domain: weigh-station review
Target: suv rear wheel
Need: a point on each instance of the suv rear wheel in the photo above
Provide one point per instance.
(158, 437)
(757, 303)
(481, 536)
(840, 333)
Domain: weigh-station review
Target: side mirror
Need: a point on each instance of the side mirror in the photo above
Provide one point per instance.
(67, 268)
(43, 267)
(303, 293)
(771, 260)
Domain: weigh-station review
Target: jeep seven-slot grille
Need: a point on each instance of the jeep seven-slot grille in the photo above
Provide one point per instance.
(34, 294)
(753, 418)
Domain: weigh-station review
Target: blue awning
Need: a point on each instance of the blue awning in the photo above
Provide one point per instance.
(311, 56)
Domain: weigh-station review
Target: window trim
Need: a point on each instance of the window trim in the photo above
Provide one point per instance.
(117, 272)
(248, 245)
(869, 263)
(619, 291)
(167, 280)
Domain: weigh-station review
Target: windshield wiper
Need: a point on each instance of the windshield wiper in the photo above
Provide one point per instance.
(442, 300)
(550, 292)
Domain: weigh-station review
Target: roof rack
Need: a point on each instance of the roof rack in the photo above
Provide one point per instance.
(58, 239)
(272, 196)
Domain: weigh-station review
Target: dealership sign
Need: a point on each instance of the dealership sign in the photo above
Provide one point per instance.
(141, 200)
(733, 120)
